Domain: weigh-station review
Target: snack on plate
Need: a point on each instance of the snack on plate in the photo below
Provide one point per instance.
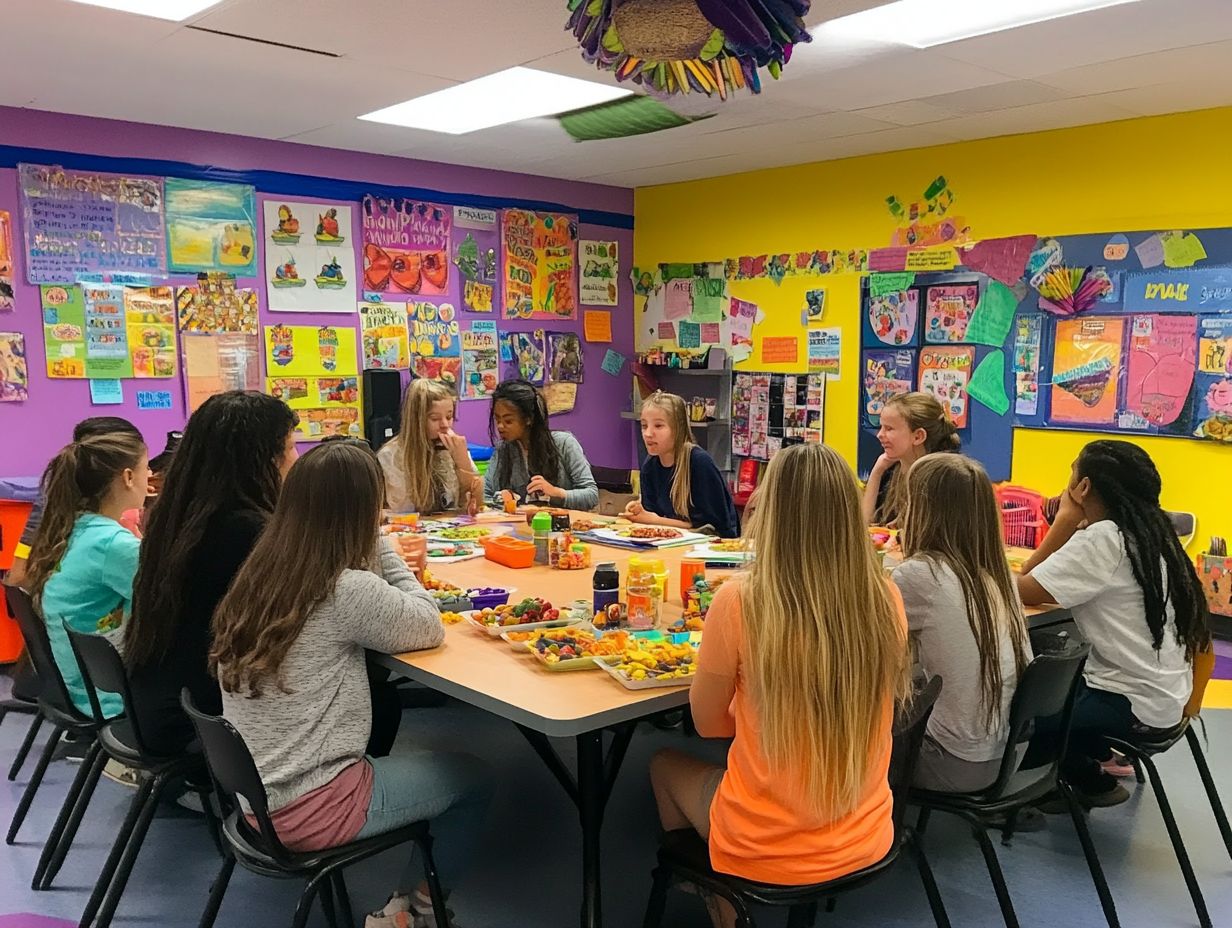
(450, 549)
(614, 616)
(730, 545)
(658, 662)
(570, 644)
(451, 618)
(881, 537)
(464, 533)
(1017, 561)
(653, 532)
(531, 609)
(589, 525)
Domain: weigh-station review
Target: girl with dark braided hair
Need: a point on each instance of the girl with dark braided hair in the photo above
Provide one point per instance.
(1113, 558)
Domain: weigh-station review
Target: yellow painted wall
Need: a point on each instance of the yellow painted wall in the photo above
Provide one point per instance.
(1157, 173)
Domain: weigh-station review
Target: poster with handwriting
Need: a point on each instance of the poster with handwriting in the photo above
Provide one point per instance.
(480, 360)
(215, 362)
(600, 272)
(309, 257)
(386, 343)
(85, 224)
(406, 246)
(476, 237)
(107, 348)
(1028, 333)
(64, 331)
(944, 374)
(1159, 374)
(540, 260)
(1086, 364)
(948, 311)
(211, 226)
(1215, 344)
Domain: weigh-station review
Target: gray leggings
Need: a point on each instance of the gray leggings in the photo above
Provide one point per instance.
(943, 772)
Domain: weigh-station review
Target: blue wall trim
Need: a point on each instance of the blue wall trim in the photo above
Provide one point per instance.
(299, 185)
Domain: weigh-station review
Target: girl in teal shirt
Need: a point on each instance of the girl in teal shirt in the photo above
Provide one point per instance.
(83, 561)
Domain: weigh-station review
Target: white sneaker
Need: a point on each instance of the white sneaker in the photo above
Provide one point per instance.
(395, 914)
(118, 773)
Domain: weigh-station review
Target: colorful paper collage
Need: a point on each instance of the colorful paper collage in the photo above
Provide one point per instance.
(825, 347)
(944, 374)
(109, 332)
(406, 247)
(476, 255)
(7, 262)
(948, 311)
(315, 370)
(566, 363)
(309, 257)
(540, 260)
(215, 362)
(600, 272)
(815, 263)
(384, 333)
(1159, 375)
(894, 316)
(211, 227)
(214, 306)
(1085, 367)
(529, 353)
(64, 331)
(14, 374)
(773, 410)
(1213, 407)
(886, 374)
(678, 299)
(107, 348)
(150, 317)
(84, 224)
(480, 360)
(1028, 334)
(1215, 344)
(436, 342)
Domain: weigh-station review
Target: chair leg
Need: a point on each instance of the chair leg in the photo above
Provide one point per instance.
(135, 841)
(325, 889)
(304, 908)
(342, 900)
(213, 821)
(921, 823)
(935, 902)
(802, 916)
(1204, 771)
(1088, 851)
(1138, 774)
(27, 797)
(26, 744)
(1178, 844)
(994, 872)
(101, 885)
(433, 878)
(657, 903)
(217, 891)
(69, 820)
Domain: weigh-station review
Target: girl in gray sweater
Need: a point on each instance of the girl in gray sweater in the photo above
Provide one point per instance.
(289, 642)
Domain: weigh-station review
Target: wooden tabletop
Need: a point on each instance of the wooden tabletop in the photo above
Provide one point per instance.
(487, 673)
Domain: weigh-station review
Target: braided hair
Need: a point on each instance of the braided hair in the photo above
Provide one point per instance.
(1128, 484)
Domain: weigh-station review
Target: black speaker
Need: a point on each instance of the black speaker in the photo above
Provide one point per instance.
(382, 405)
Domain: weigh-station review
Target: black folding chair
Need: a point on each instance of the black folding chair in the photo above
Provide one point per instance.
(121, 739)
(258, 848)
(1046, 688)
(685, 857)
(18, 704)
(55, 705)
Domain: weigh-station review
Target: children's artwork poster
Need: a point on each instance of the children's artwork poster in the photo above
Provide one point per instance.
(64, 331)
(886, 374)
(1159, 372)
(6, 261)
(384, 334)
(1028, 334)
(442, 370)
(600, 271)
(406, 246)
(708, 293)
(565, 361)
(150, 317)
(14, 375)
(211, 226)
(85, 224)
(529, 354)
(309, 257)
(678, 299)
(893, 316)
(107, 348)
(560, 397)
(540, 260)
(476, 240)
(741, 316)
(825, 347)
(814, 305)
(944, 374)
(948, 311)
(216, 362)
(1215, 344)
(434, 330)
(108, 332)
(1213, 406)
(1085, 367)
(770, 411)
(315, 371)
(215, 306)
(480, 360)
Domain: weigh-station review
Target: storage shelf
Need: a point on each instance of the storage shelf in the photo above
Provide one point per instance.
(635, 417)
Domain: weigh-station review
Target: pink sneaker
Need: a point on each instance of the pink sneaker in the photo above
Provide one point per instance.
(1117, 766)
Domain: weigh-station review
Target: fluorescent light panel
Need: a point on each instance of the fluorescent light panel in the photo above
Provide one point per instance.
(925, 23)
(497, 99)
(174, 10)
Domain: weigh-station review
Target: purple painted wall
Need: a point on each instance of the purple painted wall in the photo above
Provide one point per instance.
(31, 432)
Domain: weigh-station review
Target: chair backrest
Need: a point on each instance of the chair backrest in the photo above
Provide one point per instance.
(1185, 524)
(34, 631)
(102, 669)
(910, 723)
(236, 776)
(1046, 688)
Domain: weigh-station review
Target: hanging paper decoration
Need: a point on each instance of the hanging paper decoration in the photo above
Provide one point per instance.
(681, 46)
(1067, 291)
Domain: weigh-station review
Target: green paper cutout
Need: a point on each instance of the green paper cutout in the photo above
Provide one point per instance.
(987, 385)
(993, 317)
(707, 299)
(881, 284)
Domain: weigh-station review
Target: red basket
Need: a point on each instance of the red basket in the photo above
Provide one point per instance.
(1022, 516)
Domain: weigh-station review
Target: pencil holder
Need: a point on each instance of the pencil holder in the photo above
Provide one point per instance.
(1216, 575)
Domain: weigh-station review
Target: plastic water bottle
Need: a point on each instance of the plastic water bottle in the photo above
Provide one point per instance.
(606, 586)
(541, 526)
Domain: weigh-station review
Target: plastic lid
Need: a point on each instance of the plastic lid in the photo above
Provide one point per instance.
(541, 520)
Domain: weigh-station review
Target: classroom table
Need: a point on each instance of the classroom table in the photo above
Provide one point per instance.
(484, 672)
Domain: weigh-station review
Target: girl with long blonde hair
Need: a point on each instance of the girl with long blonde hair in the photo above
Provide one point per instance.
(965, 619)
(912, 425)
(804, 659)
(682, 487)
(428, 467)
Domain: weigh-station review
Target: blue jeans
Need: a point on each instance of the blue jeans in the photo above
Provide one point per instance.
(451, 791)
(1098, 714)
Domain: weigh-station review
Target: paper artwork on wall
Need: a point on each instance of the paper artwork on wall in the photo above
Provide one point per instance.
(406, 246)
(540, 261)
(211, 226)
(309, 257)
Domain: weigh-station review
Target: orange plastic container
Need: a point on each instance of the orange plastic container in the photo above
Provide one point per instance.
(13, 516)
(511, 552)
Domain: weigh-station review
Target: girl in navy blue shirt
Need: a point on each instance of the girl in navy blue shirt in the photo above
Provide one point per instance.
(681, 485)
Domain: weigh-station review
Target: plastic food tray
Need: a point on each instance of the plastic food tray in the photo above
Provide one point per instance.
(609, 664)
(523, 647)
(495, 631)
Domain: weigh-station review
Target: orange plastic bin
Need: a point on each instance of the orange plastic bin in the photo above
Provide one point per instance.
(13, 516)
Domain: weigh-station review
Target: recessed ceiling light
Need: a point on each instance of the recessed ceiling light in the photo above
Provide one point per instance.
(503, 97)
(925, 23)
(174, 10)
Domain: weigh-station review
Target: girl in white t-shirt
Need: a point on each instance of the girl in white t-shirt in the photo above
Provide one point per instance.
(1113, 558)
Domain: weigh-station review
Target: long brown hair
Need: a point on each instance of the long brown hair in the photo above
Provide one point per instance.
(416, 449)
(921, 411)
(327, 520)
(227, 461)
(827, 647)
(76, 481)
(952, 519)
(683, 444)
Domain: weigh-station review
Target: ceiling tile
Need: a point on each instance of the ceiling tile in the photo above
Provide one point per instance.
(1038, 117)
(907, 113)
(1172, 97)
(996, 97)
(1199, 65)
